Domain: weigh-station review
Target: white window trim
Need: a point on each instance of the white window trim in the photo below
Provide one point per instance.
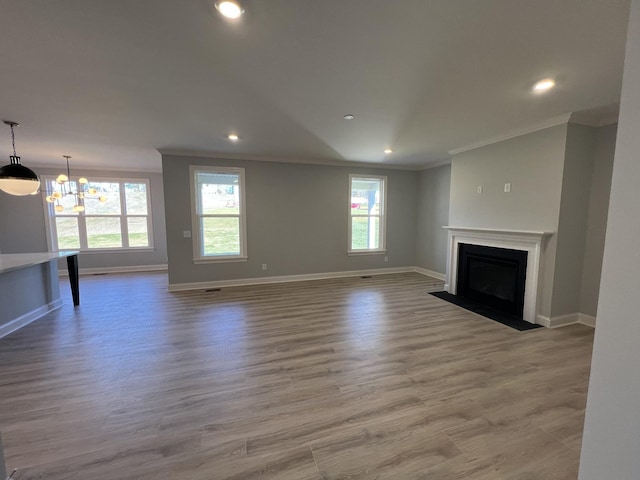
(198, 258)
(382, 249)
(52, 235)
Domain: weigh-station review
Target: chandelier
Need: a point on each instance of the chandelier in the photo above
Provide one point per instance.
(15, 178)
(63, 188)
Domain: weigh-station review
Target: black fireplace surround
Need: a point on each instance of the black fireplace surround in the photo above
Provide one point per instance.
(492, 276)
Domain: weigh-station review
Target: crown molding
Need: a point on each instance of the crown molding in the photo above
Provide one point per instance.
(551, 122)
(96, 168)
(300, 161)
(439, 163)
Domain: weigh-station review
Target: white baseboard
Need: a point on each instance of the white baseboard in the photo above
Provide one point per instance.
(544, 321)
(124, 269)
(29, 317)
(178, 287)
(588, 320)
(568, 319)
(430, 273)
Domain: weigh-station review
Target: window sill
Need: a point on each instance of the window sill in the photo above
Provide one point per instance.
(355, 253)
(219, 260)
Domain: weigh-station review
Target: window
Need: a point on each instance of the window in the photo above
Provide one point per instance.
(218, 211)
(122, 221)
(367, 213)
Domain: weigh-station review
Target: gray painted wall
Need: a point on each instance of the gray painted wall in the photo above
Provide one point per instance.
(22, 227)
(597, 222)
(27, 232)
(433, 213)
(296, 220)
(612, 423)
(533, 164)
(572, 223)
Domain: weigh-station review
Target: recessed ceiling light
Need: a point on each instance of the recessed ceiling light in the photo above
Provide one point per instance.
(349, 116)
(544, 85)
(233, 137)
(388, 151)
(229, 8)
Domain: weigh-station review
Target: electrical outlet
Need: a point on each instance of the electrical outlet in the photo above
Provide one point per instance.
(264, 266)
(479, 189)
(386, 259)
(507, 187)
(186, 234)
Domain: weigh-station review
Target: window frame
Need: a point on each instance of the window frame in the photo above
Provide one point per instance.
(197, 233)
(50, 216)
(382, 238)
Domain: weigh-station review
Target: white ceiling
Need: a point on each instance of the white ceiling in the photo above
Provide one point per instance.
(111, 81)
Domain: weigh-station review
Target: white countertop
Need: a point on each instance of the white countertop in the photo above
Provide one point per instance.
(15, 261)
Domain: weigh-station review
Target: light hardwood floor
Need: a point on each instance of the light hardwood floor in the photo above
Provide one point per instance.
(341, 379)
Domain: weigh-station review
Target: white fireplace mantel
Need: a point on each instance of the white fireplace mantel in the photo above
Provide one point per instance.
(526, 240)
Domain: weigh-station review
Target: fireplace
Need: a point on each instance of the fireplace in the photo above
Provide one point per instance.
(528, 242)
(493, 276)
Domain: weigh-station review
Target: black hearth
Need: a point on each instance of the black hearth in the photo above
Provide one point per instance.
(492, 276)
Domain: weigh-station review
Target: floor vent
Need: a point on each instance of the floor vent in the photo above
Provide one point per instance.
(366, 276)
(213, 290)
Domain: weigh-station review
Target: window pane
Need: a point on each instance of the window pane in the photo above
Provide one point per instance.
(136, 198)
(365, 196)
(103, 232)
(67, 230)
(219, 193)
(221, 236)
(138, 235)
(111, 192)
(365, 233)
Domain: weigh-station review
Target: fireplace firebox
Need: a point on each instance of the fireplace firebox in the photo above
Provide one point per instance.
(492, 276)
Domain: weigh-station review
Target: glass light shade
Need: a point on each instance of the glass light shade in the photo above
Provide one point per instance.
(16, 179)
(82, 180)
(56, 195)
(61, 178)
(102, 198)
(50, 199)
(92, 191)
(78, 208)
(59, 208)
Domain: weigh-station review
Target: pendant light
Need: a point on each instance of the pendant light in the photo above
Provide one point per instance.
(15, 178)
(62, 188)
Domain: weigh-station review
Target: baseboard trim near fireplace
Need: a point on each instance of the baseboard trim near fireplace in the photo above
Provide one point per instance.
(430, 273)
(564, 320)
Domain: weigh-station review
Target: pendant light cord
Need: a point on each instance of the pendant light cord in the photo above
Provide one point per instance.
(13, 142)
